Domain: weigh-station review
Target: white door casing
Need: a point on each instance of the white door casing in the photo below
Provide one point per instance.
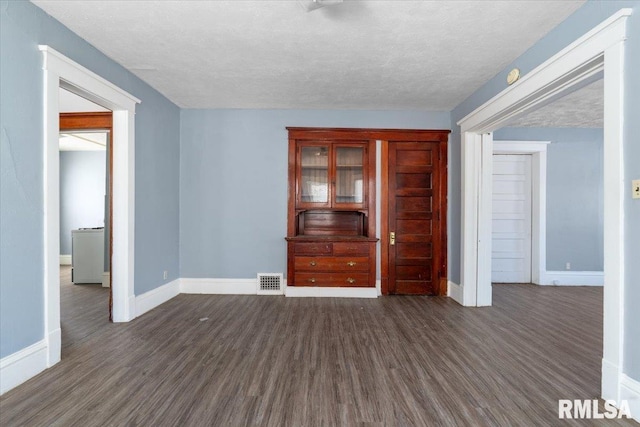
(537, 150)
(511, 219)
(601, 49)
(60, 71)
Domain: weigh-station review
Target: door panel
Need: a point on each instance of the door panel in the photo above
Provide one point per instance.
(417, 158)
(413, 250)
(413, 197)
(414, 204)
(407, 230)
(511, 219)
(417, 181)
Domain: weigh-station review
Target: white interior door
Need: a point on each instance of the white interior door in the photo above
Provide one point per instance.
(511, 219)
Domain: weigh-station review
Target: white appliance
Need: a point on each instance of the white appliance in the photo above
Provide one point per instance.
(87, 248)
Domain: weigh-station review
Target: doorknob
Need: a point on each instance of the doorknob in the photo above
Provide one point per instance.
(392, 238)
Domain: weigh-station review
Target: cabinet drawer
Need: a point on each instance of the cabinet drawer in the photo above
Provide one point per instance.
(312, 248)
(337, 264)
(345, 279)
(351, 248)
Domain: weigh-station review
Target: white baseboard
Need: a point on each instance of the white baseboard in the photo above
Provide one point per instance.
(630, 391)
(54, 344)
(219, 286)
(610, 380)
(455, 291)
(65, 260)
(18, 367)
(130, 313)
(573, 278)
(322, 292)
(153, 298)
(106, 279)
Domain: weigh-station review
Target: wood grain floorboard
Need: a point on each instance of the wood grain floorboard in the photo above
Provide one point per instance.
(275, 361)
(83, 309)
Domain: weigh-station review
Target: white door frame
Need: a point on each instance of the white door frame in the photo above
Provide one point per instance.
(601, 49)
(60, 71)
(538, 152)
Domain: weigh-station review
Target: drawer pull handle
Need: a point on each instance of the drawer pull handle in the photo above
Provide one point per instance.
(312, 263)
(351, 263)
(351, 280)
(312, 280)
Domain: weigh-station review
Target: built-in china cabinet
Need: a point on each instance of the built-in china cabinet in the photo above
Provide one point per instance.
(331, 213)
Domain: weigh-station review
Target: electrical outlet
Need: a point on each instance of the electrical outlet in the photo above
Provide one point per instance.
(635, 191)
(165, 274)
(568, 266)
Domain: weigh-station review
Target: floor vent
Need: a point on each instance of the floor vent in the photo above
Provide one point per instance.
(270, 284)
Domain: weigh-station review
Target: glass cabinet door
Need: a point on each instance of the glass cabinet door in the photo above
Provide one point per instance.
(314, 174)
(349, 179)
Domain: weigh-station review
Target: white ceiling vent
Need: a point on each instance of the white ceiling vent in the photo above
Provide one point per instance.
(270, 284)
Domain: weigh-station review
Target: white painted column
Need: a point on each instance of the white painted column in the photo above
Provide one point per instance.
(51, 187)
(614, 189)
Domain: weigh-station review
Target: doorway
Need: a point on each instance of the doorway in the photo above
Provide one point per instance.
(87, 135)
(536, 152)
(601, 49)
(511, 219)
(413, 214)
(60, 71)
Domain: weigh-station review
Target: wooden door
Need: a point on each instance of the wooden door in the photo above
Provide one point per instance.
(511, 219)
(416, 214)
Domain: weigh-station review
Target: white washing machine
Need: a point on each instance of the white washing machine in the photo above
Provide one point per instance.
(87, 248)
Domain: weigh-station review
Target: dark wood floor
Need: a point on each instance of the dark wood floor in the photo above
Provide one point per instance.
(83, 310)
(204, 360)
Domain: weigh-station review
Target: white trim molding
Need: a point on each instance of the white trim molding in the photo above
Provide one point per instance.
(630, 391)
(155, 297)
(18, 367)
(60, 71)
(455, 291)
(218, 286)
(573, 278)
(66, 260)
(330, 292)
(538, 152)
(106, 279)
(599, 50)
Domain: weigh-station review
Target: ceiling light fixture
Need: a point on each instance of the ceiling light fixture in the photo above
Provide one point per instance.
(311, 5)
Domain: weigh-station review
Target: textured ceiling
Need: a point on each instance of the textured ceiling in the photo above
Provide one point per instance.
(272, 54)
(582, 109)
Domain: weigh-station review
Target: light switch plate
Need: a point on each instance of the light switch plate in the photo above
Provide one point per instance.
(636, 188)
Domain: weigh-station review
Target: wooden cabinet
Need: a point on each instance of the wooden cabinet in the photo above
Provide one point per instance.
(331, 212)
(332, 261)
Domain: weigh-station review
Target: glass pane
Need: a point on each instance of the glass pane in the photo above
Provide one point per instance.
(349, 175)
(315, 174)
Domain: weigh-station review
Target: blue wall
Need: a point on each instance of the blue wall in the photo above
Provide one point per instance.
(22, 27)
(233, 183)
(82, 191)
(583, 20)
(575, 204)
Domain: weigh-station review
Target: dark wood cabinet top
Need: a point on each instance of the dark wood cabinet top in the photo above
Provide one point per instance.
(331, 239)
